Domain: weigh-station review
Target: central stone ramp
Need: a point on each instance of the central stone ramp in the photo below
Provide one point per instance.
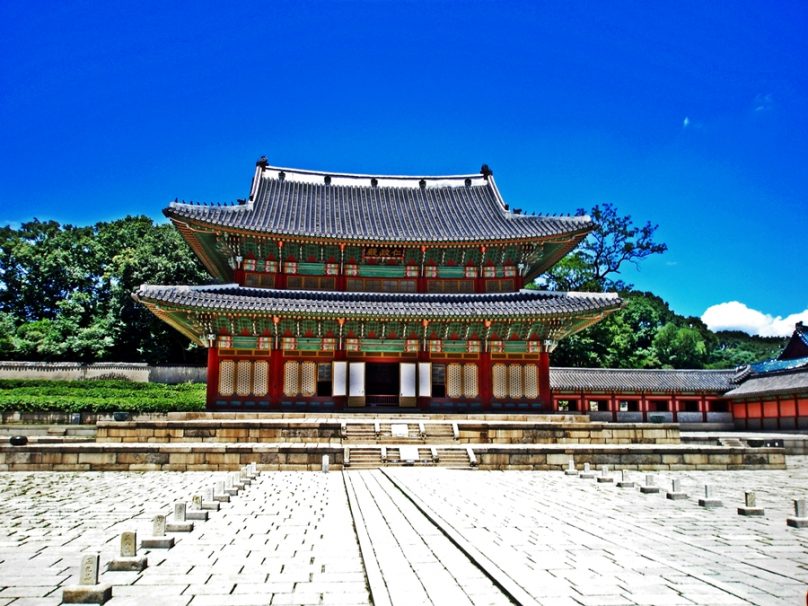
(408, 559)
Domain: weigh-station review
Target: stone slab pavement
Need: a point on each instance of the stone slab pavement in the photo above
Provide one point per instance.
(412, 536)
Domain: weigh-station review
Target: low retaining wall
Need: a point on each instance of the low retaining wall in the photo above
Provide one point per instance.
(308, 457)
(230, 431)
(167, 457)
(643, 458)
(74, 371)
(590, 433)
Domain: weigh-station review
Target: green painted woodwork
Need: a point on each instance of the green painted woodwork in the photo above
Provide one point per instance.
(381, 271)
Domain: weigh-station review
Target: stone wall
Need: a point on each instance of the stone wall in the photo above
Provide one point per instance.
(166, 457)
(225, 430)
(74, 371)
(562, 433)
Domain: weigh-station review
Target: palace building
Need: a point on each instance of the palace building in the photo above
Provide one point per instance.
(339, 291)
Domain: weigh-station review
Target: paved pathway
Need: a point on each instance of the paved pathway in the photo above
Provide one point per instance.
(412, 536)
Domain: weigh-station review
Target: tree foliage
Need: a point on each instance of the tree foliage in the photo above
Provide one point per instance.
(65, 291)
(596, 263)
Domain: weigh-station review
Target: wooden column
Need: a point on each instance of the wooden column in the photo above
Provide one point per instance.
(544, 379)
(275, 377)
(212, 389)
(485, 379)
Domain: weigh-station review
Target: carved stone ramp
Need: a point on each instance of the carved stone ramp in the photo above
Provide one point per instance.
(410, 559)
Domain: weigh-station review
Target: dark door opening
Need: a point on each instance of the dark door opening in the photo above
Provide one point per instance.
(382, 384)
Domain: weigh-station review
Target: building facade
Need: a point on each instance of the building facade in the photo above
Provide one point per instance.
(339, 291)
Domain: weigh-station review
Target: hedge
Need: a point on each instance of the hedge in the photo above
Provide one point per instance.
(99, 396)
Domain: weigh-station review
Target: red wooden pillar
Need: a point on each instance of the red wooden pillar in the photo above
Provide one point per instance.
(485, 379)
(544, 379)
(275, 377)
(212, 390)
(238, 276)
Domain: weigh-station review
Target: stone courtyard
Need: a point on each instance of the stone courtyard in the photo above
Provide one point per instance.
(412, 536)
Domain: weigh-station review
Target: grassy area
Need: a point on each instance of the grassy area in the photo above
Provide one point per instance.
(99, 396)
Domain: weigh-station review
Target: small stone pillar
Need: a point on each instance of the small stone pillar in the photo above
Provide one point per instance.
(128, 559)
(570, 470)
(158, 540)
(800, 519)
(179, 523)
(587, 473)
(624, 481)
(650, 485)
(709, 501)
(88, 591)
(675, 493)
(750, 507)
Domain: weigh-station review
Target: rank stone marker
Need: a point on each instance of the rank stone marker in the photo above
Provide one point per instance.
(624, 481)
(676, 493)
(128, 559)
(800, 519)
(219, 494)
(604, 475)
(325, 463)
(196, 512)
(571, 471)
(179, 524)
(650, 485)
(207, 500)
(750, 508)
(158, 540)
(709, 501)
(586, 474)
(88, 591)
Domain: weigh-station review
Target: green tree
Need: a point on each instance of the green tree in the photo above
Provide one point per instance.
(594, 265)
(680, 346)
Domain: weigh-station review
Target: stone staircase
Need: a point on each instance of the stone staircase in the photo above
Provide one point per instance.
(370, 457)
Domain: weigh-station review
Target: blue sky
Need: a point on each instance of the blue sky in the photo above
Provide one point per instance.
(689, 114)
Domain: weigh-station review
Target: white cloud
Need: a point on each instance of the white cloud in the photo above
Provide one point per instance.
(763, 103)
(686, 122)
(734, 315)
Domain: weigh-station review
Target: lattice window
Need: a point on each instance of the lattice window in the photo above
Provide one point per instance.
(227, 375)
(243, 378)
(470, 383)
(454, 380)
(308, 379)
(291, 379)
(515, 381)
(531, 381)
(260, 378)
(499, 380)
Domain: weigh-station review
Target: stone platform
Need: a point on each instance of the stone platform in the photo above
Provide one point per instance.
(221, 441)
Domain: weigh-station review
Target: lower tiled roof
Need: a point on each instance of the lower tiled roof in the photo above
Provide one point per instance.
(618, 380)
(787, 383)
(524, 303)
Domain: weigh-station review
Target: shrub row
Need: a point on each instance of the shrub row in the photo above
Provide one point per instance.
(99, 396)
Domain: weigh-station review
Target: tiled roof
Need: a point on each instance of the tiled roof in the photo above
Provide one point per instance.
(605, 380)
(795, 382)
(768, 366)
(524, 303)
(287, 201)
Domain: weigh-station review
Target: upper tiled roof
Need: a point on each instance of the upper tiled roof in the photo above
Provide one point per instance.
(294, 202)
(786, 383)
(604, 380)
(770, 366)
(525, 303)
